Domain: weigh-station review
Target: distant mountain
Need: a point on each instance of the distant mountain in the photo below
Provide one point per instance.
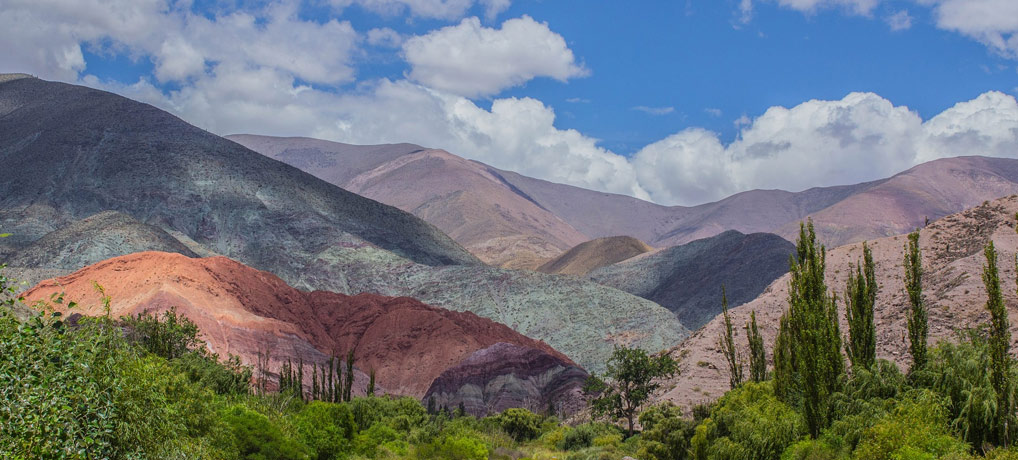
(248, 313)
(71, 152)
(470, 200)
(687, 279)
(952, 249)
(594, 254)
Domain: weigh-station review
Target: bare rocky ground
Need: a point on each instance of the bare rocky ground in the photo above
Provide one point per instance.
(952, 285)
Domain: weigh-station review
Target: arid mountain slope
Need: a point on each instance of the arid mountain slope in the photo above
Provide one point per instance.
(78, 152)
(246, 312)
(843, 214)
(952, 286)
(468, 200)
(687, 279)
(594, 254)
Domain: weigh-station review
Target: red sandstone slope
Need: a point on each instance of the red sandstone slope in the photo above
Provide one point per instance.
(245, 312)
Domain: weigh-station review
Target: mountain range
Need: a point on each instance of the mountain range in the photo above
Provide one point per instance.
(482, 207)
(81, 154)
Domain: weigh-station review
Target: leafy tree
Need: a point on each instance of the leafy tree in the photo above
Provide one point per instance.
(257, 438)
(861, 296)
(520, 423)
(918, 326)
(917, 428)
(666, 433)
(727, 344)
(747, 423)
(1000, 342)
(327, 429)
(631, 377)
(348, 384)
(809, 341)
(757, 354)
(170, 337)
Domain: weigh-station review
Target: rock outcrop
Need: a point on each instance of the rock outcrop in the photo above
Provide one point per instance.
(505, 375)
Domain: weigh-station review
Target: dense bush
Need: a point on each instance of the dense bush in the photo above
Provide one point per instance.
(748, 423)
(521, 424)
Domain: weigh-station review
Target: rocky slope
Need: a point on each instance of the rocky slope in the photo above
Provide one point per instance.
(528, 378)
(247, 312)
(79, 152)
(468, 200)
(952, 287)
(687, 279)
(594, 254)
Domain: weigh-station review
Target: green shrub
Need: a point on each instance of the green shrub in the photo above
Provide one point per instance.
(748, 423)
(257, 438)
(521, 424)
(327, 429)
(666, 433)
(916, 428)
(455, 447)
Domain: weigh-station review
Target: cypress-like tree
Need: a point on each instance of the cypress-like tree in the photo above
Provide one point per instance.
(1000, 340)
(300, 378)
(337, 393)
(371, 383)
(727, 343)
(918, 326)
(329, 387)
(314, 382)
(348, 389)
(812, 334)
(786, 378)
(861, 296)
(757, 354)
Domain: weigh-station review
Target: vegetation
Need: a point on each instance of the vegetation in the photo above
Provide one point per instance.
(727, 344)
(631, 378)
(809, 337)
(918, 327)
(999, 343)
(757, 354)
(861, 296)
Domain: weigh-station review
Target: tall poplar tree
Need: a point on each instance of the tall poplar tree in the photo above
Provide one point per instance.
(757, 354)
(812, 339)
(727, 343)
(860, 296)
(1000, 340)
(918, 326)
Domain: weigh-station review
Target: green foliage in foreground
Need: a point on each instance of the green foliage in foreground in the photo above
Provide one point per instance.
(100, 388)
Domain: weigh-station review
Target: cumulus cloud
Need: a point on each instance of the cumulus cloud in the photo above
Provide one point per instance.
(192, 45)
(859, 138)
(992, 22)
(471, 60)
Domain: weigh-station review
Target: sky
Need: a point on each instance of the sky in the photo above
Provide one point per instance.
(679, 102)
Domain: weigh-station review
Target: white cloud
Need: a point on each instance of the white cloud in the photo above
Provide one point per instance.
(714, 112)
(899, 21)
(578, 100)
(860, 7)
(471, 60)
(654, 110)
(992, 22)
(434, 9)
(385, 37)
(859, 138)
(189, 46)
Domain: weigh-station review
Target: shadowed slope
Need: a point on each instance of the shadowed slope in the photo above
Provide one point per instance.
(687, 279)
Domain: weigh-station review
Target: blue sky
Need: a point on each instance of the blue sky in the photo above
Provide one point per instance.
(679, 102)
